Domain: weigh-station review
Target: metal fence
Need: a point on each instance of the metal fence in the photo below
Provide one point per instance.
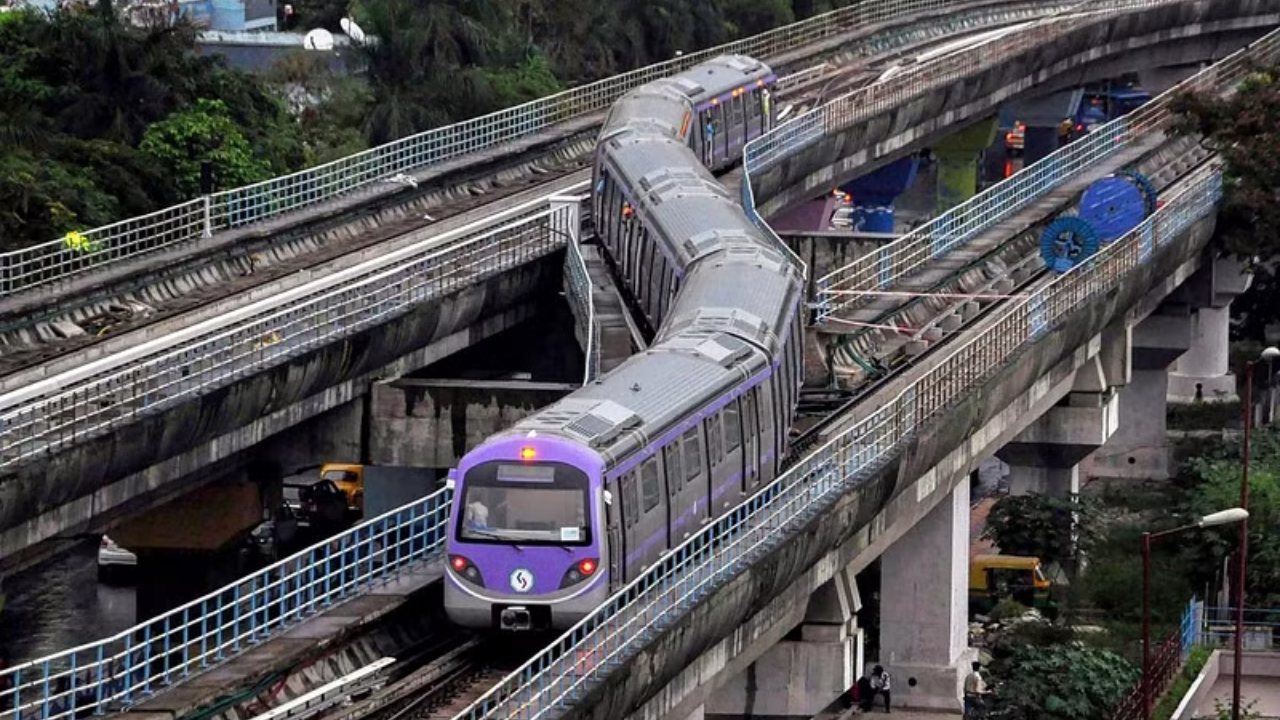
(126, 668)
(78, 252)
(45, 417)
(562, 674)
(1261, 628)
(849, 285)
(1165, 665)
(578, 289)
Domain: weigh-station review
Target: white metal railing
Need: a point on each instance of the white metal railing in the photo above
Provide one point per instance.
(849, 285)
(562, 674)
(579, 291)
(78, 252)
(126, 668)
(44, 417)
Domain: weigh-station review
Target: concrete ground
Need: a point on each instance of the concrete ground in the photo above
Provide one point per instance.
(1264, 691)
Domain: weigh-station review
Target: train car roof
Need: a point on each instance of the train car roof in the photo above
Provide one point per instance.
(651, 391)
(746, 290)
(648, 106)
(717, 76)
(678, 198)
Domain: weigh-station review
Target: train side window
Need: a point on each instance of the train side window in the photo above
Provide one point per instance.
(649, 484)
(732, 430)
(630, 499)
(692, 454)
(714, 440)
(674, 476)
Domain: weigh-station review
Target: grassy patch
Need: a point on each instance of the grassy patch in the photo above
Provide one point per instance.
(1195, 663)
(1206, 416)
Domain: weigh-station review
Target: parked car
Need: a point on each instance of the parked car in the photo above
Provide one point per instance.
(114, 562)
(318, 505)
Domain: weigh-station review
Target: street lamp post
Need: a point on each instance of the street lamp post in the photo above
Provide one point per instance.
(1222, 517)
(1269, 354)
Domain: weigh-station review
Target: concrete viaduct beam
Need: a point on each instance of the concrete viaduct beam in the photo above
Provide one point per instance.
(160, 457)
(924, 121)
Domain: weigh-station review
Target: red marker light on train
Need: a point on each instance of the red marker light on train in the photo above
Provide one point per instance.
(586, 567)
(459, 563)
(528, 453)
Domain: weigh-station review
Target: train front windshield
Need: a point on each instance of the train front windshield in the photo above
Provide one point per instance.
(525, 504)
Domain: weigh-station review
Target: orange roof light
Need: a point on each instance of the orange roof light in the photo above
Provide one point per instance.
(528, 453)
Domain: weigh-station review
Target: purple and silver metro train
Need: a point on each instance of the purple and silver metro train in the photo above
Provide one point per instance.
(585, 496)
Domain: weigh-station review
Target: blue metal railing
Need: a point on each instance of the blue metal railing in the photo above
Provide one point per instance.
(128, 667)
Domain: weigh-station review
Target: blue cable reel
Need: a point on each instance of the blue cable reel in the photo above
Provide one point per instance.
(1113, 205)
(1067, 241)
(1149, 193)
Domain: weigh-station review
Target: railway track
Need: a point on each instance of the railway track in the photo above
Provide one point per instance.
(442, 683)
(113, 318)
(908, 330)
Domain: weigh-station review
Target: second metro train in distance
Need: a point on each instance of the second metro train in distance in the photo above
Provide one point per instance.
(552, 516)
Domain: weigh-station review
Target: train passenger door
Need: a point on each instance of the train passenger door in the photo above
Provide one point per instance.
(737, 122)
(734, 450)
(750, 443)
(616, 519)
(647, 531)
(721, 469)
(767, 402)
(688, 487)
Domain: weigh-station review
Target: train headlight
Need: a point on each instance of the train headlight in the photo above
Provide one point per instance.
(580, 571)
(466, 569)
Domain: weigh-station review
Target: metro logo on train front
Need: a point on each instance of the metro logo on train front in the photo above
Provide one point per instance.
(521, 580)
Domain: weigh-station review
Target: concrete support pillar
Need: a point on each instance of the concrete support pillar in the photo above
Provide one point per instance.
(1044, 458)
(924, 629)
(1138, 449)
(1203, 373)
(958, 158)
(806, 671)
(874, 195)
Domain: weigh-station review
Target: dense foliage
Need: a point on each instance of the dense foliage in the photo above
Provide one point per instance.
(1245, 130)
(1052, 529)
(1060, 681)
(1216, 486)
(80, 92)
(101, 120)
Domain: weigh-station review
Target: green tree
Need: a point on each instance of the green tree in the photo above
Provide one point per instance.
(1218, 487)
(203, 132)
(1244, 129)
(1061, 682)
(79, 88)
(1052, 529)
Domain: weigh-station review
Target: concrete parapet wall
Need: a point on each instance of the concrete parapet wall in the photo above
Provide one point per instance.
(679, 669)
(925, 120)
(67, 492)
(433, 423)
